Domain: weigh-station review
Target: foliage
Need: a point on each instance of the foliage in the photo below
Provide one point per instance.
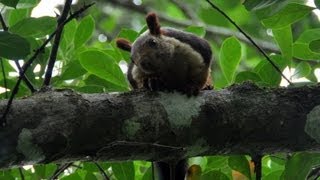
(88, 61)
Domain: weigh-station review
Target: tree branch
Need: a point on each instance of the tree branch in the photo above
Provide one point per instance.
(63, 126)
(210, 29)
(56, 42)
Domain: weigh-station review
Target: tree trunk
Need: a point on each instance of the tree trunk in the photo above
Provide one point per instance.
(63, 126)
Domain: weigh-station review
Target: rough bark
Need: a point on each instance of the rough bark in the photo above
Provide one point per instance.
(62, 126)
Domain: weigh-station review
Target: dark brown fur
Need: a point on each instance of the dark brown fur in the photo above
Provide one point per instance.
(157, 63)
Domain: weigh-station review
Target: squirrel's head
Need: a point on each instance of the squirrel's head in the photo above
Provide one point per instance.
(151, 50)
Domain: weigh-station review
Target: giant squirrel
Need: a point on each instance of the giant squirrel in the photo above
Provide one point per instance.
(167, 59)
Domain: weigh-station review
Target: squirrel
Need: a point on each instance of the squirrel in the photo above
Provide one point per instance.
(167, 59)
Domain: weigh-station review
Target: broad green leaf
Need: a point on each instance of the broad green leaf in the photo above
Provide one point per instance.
(89, 166)
(128, 34)
(253, 5)
(216, 162)
(283, 37)
(10, 3)
(148, 174)
(69, 30)
(288, 15)
(308, 36)
(84, 31)
(35, 27)
(216, 175)
(247, 76)
(103, 66)
(6, 175)
(273, 175)
(240, 163)
(230, 55)
(123, 170)
(302, 51)
(90, 176)
(13, 46)
(16, 15)
(317, 3)
(72, 70)
(268, 73)
(50, 169)
(300, 164)
(109, 87)
(303, 69)
(197, 30)
(315, 46)
(27, 3)
(40, 171)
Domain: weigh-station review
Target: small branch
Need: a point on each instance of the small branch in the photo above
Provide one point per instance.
(30, 61)
(24, 77)
(4, 26)
(56, 42)
(21, 173)
(212, 30)
(250, 39)
(257, 160)
(60, 170)
(102, 171)
(186, 10)
(4, 78)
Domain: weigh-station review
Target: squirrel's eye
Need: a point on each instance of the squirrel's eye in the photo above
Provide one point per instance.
(152, 42)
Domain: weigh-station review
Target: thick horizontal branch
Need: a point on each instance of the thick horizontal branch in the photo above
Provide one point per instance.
(63, 126)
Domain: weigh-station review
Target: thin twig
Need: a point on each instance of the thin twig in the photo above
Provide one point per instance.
(30, 61)
(250, 39)
(210, 29)
(24, 77)
(56, 42)
(4, 78)
(21, 173)
(4, 26)
(102, 171)
(257, 160)
(60, 170)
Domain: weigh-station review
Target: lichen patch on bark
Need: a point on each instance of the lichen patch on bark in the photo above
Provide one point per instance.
(313, 123)
(33, 153)
(180, 108)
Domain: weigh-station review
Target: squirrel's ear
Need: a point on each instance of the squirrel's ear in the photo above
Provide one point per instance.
(153, 24)
(124, 44)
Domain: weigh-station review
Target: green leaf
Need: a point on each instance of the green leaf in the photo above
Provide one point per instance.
(16, 15)
(240, 164)
(27, 3)
(315, 46)
(288, 15)
(128, 34)
(268, 73)
(302, 51)
(90, 176)
(216, 175)
(109, 87)
(35, 27)
(197, 30)
(303, 69)
(84, 31)
(273, 175)
(300, 164)
(40, 171)
(123, 170)
(10, 3)
(247, 76)
(253, 5)
(13, 46)
(103, 66)
(69, 30)
(284, 38)
(230, 55)
(317, 3)
(73, 176)
(148, 174)
(72, 70)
